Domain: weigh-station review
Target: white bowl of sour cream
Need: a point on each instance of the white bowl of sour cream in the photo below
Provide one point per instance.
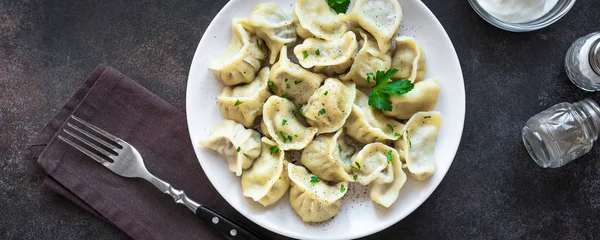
(521, 15)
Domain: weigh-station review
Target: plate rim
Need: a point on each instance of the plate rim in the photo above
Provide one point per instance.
(395, 219)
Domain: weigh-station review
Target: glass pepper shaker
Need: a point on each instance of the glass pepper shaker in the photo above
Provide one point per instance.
(562, 133)
(582, 62)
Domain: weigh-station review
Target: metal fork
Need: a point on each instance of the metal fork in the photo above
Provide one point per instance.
(128, 162)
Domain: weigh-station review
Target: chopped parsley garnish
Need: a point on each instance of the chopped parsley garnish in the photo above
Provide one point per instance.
(258, 44)
(295, 135)
(305, 54)
(326, 92)
(286, 80)
(314, 179)
(389, 156)
(355, 177)
(318, 52)
(274, 149)
(322, 111)
(289, 138)
(286, 96)
(384, 88)
(357, 165)
(238, 102)
(285, 137)
(238, 149)
(272, 86)
(339, 6)
(300, 111)
(391, 127)
(397, 134)
(296, 82)
(287, 86)
(342, 188)
(427, 117)
(283, 122)
(339, 147)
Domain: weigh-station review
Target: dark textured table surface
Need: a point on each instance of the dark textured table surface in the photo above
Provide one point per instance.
(492, 190)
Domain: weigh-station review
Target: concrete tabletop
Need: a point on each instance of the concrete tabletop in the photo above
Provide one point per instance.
(493, 189)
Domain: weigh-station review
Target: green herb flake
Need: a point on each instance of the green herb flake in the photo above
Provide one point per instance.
(296, 82)
(300, 111)
(295, 135)
(258, 44)
(314, 179)
(274, 149)
(286, 96)
(426, 117)
(289, 138)
(385, 87)
(318, 52)
(283, 122)
(339, 147)
(286, 80)
(357, 165)
(238, 102)
(397, 134)
(326, 92)
(271, 84)
(305, 53)
(342, 188)
(238, 149)
(322, 111)
(389, 156)
(391, 127)
(339, 6)
(355, 177)
(287, 86)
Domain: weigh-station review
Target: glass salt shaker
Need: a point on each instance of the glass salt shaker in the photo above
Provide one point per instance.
(582, 62)
(562, 133)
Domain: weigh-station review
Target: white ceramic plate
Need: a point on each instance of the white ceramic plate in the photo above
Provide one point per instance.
(359, 216)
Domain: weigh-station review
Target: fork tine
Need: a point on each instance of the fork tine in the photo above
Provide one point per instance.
(97, 139)
(110, 155)
(100, 131)
(83, 150)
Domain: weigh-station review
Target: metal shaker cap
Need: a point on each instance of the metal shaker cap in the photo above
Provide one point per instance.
(594, 56)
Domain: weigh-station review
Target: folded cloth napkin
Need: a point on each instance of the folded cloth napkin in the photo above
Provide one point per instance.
(119, 105)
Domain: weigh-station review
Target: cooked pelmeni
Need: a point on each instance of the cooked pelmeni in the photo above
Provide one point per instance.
(291, 81)
(409, 58)
(386, 194)
(315, 19)
(273, 25)
(239, 146)
(368, 60)
(244, 103)
(314, 201)
(367, 124)
(329, 157)
(330, 105)
(373, 164)
(418, 143)
(327, 56)
(423, 97)
(267, 180)
(282, 124)
(242, 58)
(381, 18)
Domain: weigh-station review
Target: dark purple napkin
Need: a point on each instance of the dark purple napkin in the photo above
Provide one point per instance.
(119, 105)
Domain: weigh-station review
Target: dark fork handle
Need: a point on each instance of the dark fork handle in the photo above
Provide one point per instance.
(227, 228)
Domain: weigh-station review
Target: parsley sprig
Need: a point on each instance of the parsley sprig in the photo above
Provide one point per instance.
(339, 6)
(384, 88)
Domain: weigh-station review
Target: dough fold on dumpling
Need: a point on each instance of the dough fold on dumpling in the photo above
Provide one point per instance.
(418, 143)
(267, 180)
(226, 137)
(314, 201)
(327, 56)
(330, 105)
(315, 18)
(329, 157)
(367, 124)
(423, 97)
(244, 103)
(242, 58)
(409, 58)
(381, 18)
(281, 121)
(273, 25)
(293, 82)
(369, 59)
(373, 164)
(386, 194)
